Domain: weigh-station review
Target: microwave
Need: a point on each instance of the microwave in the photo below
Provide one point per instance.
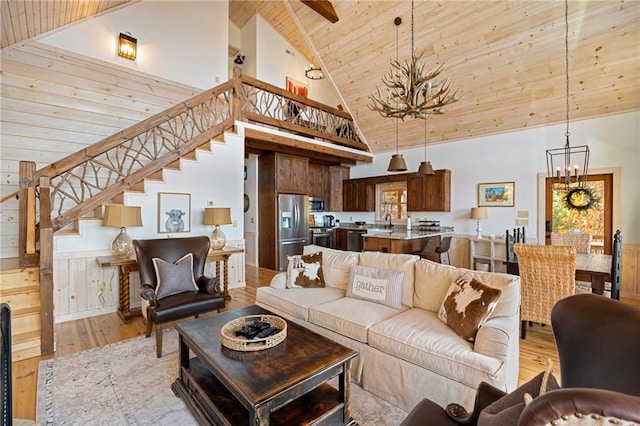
(316, 204)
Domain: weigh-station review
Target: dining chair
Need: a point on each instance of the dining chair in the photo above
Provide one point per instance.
(581, 241)
(547, 274)
(616, 265)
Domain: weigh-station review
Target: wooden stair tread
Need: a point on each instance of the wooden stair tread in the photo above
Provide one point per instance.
(25, 337)
(19, 289)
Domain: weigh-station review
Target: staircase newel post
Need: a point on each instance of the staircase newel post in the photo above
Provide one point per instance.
(27, 255)
(46, 268)
(237, 93)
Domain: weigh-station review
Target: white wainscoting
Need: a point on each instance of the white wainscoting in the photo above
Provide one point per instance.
(251, 250)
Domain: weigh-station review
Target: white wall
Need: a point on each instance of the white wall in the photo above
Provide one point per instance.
(518, 157)
(270, 58)
(184, 41)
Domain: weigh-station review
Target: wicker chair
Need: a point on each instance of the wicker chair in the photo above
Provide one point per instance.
(547, 274)
(582, 242)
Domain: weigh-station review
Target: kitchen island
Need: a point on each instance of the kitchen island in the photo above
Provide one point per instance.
(402, 240)
(378, 238)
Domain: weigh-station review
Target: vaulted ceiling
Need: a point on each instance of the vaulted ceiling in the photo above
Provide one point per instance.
(506, 57)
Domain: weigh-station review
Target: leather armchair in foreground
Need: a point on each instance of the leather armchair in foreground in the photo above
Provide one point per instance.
(182, 297)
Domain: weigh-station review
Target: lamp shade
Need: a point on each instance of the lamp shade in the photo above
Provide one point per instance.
(426, 168)
(479, 213)
(217, 216)
(118, 216)
(397, 164)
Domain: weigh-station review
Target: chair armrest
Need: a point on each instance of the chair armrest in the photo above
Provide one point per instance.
(485, 396)
(553, 405)
(148, 293)
(209, 285)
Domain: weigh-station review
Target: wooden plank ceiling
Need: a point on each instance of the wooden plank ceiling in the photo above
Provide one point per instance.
(505, 57)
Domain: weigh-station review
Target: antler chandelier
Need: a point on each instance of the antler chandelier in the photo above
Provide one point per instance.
(411, 90)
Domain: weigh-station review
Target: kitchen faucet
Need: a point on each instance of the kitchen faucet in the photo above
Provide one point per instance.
(388, 217)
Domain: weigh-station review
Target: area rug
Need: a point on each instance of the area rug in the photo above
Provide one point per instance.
(125, 384)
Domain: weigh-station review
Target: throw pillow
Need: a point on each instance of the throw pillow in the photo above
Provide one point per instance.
(174, 278)
(507, 410)
(467, 305)
(305, 271)
(376, 285)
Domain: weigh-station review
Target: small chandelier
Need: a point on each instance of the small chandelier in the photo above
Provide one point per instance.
(568, 164)
(313, 73)
(425, 166)
(411, 90)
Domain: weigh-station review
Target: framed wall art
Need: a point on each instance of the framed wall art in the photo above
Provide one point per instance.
(297, 87)
(174, 212)
(500, 194)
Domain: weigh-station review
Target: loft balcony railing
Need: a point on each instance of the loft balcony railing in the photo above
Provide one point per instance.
(56, 195)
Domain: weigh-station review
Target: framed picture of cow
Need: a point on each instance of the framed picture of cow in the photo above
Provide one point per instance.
(174, 212)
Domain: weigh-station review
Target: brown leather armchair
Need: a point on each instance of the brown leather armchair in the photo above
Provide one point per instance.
(186, 304)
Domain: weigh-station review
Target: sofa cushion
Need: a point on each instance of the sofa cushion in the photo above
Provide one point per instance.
(296, 301)
(509, 303)
(174, 278)
(394, 262)
(305, 271)
(336, 265)
(350, 317)
(419, 337)
(431, 284)
(376, 285)
(467, 305)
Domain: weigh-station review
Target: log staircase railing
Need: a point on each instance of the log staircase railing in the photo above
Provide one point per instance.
(58, 194)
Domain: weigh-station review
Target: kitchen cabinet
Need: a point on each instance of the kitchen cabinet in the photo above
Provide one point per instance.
(429, 193)
(358, 195)
(318, 180)
(337, 175)
(340, 238)
(291, 173)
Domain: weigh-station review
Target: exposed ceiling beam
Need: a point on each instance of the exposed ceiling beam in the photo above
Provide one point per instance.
(324, 8)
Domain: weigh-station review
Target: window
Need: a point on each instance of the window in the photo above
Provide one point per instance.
(391, 198)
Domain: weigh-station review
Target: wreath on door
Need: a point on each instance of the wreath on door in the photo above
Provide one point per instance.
(582, 199)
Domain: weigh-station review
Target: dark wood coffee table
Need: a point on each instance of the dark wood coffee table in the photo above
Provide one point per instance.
(283, 385)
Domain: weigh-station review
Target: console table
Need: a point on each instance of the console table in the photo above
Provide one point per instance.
(128, 265)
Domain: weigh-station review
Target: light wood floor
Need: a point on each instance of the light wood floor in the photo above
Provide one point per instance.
(75, 336)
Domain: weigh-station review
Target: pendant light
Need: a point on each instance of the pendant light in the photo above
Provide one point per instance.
(425, 166)
(563, 163)
(397, 163)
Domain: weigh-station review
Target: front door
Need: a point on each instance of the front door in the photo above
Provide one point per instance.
(595, 220)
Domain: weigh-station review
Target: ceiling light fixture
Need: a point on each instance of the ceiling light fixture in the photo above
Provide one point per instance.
(560, 160)
(127, 46)
(313, 73)
(397, 163)
(412, 91)
(425, 166)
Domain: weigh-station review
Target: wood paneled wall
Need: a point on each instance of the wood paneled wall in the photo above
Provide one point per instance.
(55, 102)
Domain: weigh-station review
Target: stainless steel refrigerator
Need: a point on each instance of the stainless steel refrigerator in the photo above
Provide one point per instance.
(293, 226)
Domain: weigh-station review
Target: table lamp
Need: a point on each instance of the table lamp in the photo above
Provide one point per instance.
(478, 213)
(120, 216)
(217, 216)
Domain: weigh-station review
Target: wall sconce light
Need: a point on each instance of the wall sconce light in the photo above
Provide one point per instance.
(127, 46)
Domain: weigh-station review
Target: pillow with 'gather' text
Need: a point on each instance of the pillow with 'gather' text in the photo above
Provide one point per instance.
(174, 278)
(467, 305)
(305, 271)
(376, 285)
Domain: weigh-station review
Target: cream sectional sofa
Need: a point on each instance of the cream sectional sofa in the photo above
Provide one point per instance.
(406, 354)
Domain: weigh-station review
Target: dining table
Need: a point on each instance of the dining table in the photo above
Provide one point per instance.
(592, 267)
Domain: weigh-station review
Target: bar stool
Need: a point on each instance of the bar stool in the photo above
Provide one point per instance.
(443, 248)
